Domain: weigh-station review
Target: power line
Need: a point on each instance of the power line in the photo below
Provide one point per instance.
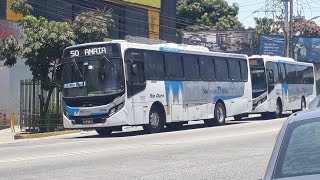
(73, 13)
(138, 10)
(102, 20)
(118, 30)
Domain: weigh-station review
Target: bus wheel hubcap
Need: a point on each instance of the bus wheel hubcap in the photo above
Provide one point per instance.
(220, 114)
(154, 120)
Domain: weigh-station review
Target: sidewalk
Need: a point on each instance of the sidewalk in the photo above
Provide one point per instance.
(6, 136)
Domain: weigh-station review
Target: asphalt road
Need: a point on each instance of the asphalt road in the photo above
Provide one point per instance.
(239, 150)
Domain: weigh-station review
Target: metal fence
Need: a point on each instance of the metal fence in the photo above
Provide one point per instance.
(31, 106)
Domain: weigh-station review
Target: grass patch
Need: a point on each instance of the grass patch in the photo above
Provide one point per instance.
(41, 135)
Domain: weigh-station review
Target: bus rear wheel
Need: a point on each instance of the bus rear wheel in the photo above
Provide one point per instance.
(219, 116)
(156, 121)
(105, 132)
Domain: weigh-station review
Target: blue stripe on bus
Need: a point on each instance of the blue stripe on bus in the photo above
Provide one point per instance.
(169, 49)
(176, 86)
(72, 111)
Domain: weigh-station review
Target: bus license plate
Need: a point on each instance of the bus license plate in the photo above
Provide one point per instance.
(87, 121)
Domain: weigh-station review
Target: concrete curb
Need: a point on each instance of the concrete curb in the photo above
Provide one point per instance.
(41, 135)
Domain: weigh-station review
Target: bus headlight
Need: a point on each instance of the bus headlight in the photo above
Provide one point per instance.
(112, 111)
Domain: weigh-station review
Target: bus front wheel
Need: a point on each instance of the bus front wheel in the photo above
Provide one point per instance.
(156, 121)
(278, 112)
(105, 132)
(303, 104)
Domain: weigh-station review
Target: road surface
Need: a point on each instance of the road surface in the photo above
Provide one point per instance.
(238, 150)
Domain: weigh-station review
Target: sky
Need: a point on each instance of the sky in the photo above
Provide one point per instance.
(250, 9)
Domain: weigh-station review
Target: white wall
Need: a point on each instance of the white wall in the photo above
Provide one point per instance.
(10, 86)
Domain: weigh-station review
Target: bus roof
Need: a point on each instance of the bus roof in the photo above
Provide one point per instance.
(168, 47)
(279, 59)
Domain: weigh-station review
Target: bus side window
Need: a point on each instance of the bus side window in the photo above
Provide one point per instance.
(234, 70)
(221, 68)
(135, 71)
(154, 66)
(206, 68)
(271, 78)
(174, 67)
(191, 67)
(273, 72)
(244, 70)
(282, 73)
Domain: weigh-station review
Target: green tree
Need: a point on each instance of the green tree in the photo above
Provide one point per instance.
(22, 7)
(9, 51)
(92, 26)
(44, 41)
(263, 26)
(43, 45)
(207, 15)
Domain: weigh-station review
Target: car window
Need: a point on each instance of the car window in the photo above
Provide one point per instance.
(300, 150)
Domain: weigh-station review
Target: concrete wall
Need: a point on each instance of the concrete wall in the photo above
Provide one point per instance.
(10, 86)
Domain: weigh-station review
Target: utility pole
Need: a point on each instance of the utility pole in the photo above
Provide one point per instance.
(286, 27)
(291, 40)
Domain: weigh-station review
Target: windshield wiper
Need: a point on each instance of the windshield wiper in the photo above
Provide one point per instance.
(77, 67)
(105, 58)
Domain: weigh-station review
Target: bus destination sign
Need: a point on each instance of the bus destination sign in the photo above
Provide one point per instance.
(256, 62)
(91, 51)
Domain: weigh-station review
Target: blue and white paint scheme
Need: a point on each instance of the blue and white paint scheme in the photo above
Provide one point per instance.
(182, 100)
(291, 95)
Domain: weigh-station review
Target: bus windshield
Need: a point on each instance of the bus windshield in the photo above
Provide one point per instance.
(92, 77)
(258, 78)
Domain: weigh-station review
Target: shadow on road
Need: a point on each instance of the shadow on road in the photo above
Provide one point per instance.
(261, 118)
(186, 127)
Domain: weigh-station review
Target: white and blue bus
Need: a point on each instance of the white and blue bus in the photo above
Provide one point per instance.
(280, 84)
(110, 85)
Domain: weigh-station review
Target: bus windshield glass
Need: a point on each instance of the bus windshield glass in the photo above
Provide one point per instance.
(258, 78)
(92, 77)
(258, 75)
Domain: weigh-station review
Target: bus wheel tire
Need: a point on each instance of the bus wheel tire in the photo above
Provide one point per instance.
(303, 104)
(219, 114)
(238, 117)
(156, 122)
(174, 126)
(105, 132)
(278, 113)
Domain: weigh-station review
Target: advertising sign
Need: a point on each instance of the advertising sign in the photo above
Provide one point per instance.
(221, 41)
(271, 45)
(151, 3)
(307, 49)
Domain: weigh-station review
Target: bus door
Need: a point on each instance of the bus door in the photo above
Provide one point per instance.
(136, 84)
(259, 82)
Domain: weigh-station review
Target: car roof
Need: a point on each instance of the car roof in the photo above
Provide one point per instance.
(305, 115)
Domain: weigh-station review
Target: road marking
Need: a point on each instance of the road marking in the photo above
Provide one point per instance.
(140, 146)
